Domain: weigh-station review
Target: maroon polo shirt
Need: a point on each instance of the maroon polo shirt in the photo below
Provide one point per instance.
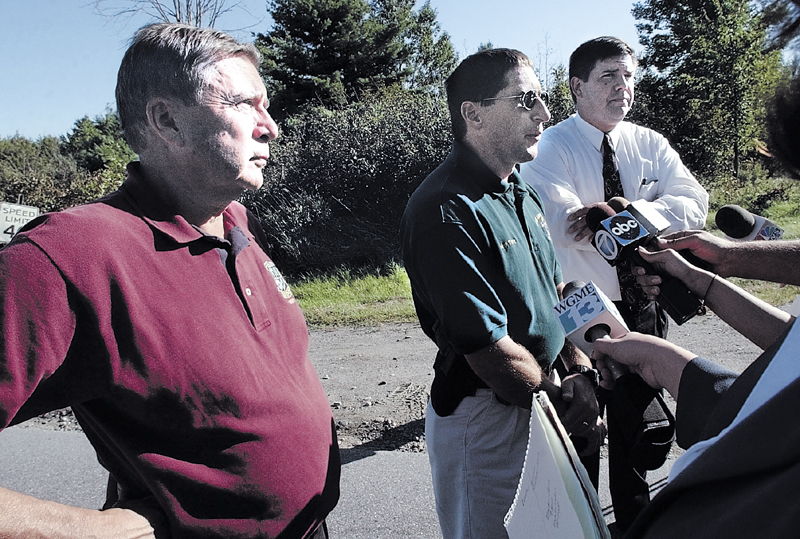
(191, 380)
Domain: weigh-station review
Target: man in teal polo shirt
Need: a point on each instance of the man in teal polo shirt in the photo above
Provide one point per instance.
(484, 278)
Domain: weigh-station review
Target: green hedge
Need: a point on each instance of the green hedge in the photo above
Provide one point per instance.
(338, 180)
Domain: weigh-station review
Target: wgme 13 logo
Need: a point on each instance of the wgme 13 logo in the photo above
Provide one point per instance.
(617, 232)
(578, 308)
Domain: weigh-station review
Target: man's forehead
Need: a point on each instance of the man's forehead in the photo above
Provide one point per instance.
(233, 75)
(615, 64)
(524, 77)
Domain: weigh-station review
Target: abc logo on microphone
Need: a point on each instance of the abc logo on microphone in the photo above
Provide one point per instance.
(616, 233)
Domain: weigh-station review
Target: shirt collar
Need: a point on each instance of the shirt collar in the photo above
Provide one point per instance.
(157, 212)
(594, 135)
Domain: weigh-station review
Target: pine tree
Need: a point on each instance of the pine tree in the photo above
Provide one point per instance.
(329, 52)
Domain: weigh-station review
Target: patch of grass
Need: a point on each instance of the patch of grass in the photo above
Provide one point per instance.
(347, 299)
(772, 293)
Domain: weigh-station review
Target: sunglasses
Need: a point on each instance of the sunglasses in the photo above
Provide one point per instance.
(527, 100)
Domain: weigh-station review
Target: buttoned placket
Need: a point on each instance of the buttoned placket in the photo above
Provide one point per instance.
(228, 250)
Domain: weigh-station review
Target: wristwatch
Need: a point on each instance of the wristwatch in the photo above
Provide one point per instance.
(588, 372)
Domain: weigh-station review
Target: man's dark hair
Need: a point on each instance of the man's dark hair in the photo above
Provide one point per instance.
(172, 61)
(480, 76)
(585, 57)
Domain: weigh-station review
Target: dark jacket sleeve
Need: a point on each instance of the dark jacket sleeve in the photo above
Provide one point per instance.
(703, 383)
(710, 396)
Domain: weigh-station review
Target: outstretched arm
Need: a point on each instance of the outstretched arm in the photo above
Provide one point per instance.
(758, 321)
(775, 261)
(660, 363)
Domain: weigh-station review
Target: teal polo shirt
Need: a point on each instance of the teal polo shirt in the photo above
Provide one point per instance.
(481, 264)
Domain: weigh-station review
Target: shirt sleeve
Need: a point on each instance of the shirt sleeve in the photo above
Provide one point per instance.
(36, 324)
(452, 276)
(703, 384)
(665, 184)
(551, 174)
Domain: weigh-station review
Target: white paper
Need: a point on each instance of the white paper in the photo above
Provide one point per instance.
(554, 499)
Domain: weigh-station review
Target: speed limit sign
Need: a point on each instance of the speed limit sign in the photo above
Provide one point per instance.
(13, 217)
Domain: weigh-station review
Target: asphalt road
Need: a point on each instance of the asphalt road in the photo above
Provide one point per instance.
(385, 494)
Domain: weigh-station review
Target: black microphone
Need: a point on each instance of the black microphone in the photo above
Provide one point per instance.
(618, 236)
(740, 225)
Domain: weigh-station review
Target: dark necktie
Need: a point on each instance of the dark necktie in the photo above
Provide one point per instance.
(632, 293)
(611, 182)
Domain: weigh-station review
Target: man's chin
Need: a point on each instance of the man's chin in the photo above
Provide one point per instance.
(252, 184)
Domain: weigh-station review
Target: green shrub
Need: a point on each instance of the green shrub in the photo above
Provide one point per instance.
(338, 180)
(38, 174)
(757, 190)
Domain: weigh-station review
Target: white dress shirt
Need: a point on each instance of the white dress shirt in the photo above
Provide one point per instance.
(568, 174)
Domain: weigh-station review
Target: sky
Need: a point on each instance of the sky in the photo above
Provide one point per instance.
(59, 58)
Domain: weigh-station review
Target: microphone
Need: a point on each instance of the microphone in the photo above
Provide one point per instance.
(738, 224)
(645, 214)
(617, 236)
(585, 315)
(618, 204)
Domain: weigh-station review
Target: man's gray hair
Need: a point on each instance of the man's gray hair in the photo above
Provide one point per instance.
(170, 61)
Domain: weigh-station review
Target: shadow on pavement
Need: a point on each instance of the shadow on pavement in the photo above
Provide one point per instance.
(406, 437)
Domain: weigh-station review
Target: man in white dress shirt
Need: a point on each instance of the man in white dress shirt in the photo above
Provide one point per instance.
(568, 174)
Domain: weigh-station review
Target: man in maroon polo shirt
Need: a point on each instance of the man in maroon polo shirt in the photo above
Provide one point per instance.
(157, 315)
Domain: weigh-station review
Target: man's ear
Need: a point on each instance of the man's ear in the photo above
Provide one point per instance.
(471, 112)
(576, 85)
(161, 119)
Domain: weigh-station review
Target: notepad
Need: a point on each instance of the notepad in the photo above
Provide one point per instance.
(555, 498)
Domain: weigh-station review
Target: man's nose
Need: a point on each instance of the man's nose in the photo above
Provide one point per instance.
(265, 125)
(621, 83)
(540, 111)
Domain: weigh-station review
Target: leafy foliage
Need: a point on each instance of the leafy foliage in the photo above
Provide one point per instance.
(708, 75)
(432, 56)
(561, 104)
(54, 174)
(338, 181)
(37, 174)
(98, 146)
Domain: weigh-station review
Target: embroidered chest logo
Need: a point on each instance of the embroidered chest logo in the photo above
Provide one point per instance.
(508, 243)
(280, 282)
(543, 223)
